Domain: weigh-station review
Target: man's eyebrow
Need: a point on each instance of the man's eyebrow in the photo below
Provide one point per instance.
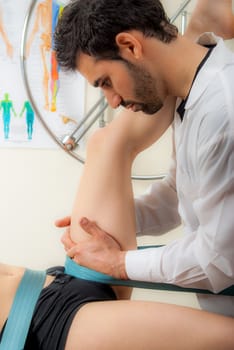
(97, 82)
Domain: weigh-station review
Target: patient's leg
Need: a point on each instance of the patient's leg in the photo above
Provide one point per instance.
(137, 325)
(212, 16)
(105, 189)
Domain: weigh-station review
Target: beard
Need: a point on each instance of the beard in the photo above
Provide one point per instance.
(145, 91)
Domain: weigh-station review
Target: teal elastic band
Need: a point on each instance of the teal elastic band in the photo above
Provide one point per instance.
(78, 271)
(75, 270)
(18, 323)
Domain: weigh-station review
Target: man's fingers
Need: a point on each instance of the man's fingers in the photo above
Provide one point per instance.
(64, 222)
(72, 251)
(91, 227)
(66, 241)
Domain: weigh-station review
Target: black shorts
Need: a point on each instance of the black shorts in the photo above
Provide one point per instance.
(56, 307)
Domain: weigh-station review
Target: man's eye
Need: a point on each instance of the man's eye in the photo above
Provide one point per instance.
(106, 83)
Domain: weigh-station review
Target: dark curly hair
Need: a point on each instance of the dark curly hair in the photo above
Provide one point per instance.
(90, 27)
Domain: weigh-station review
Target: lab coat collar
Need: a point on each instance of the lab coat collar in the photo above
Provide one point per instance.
(219, 57)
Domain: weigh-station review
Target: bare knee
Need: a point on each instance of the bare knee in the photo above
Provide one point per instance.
(111, 139)
(97, 138)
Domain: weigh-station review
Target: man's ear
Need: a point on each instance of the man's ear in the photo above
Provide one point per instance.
(130, 45)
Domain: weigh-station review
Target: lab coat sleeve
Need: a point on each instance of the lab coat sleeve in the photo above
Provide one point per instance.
(203, 258)
(157, 209)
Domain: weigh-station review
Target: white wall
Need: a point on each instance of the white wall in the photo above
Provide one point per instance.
(38, 186)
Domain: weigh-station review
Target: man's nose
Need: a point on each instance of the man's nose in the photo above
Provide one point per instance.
(113, 99)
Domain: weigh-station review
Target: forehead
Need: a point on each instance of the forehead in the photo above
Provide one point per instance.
(88, 66)
(84, 61)
(93, 69)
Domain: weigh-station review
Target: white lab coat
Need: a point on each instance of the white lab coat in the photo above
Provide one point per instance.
(198, 191)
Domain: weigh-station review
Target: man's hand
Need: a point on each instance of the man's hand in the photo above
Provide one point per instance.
(66, 238)
(64, 222)
(100, 252)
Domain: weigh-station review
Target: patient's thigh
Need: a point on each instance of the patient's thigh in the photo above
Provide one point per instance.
(126, 325)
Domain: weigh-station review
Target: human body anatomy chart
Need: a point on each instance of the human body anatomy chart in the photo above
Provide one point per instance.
(59, 96)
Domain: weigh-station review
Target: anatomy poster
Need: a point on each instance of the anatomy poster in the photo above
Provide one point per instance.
(58, 96)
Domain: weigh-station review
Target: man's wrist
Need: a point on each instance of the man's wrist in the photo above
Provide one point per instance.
(121, 266)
